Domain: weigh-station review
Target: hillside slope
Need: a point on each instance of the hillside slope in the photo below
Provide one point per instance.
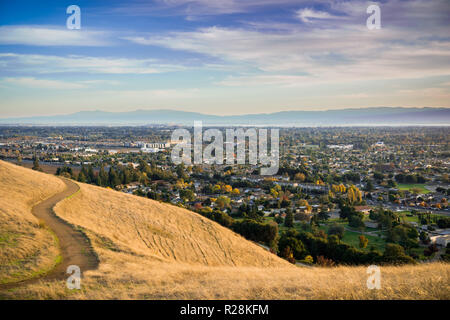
(161, 231)
(26, 247)
(149, 250)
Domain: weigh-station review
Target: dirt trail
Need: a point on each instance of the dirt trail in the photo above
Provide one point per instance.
(74, 246)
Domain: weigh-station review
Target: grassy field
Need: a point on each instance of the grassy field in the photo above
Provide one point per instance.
(350, 237)
(27, 248)
(410, 187)
(150, 250)
(415, 218)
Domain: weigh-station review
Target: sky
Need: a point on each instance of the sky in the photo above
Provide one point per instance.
(222, 57)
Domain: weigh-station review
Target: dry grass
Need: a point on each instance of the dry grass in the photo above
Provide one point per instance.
(160, 231)
(150, 250)
(122, 276)
(26, 247)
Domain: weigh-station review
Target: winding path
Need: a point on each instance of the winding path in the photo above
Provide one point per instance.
(75, 248)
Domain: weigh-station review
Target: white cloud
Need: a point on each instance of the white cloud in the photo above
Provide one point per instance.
(436, 93)
(412, 43)
(307, 15)
(195, 8)
(100, 82)
(34, 63)
(137, 96)
(42, 83)
(32, 82)
(265, 80)
(360, 95)
(332, 63)
(51, 36)
(324, 55)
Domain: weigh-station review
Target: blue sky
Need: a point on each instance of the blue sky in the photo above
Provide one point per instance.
(222, 56)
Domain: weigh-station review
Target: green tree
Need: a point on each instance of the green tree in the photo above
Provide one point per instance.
(323, 214)
(83, 173)
(102, 177)
(356, 221)
(81, 177)
(223, 202)
(90, 175)
(404, 235)
(289, 219)
(187, 194)
(395, 254)
(113, 178)
(298, 249)
(363, 242)
(36, 163)
(369, 186)
(424, 237)
(288, 254)
(345, 210)
(278, 219)
(336, 229)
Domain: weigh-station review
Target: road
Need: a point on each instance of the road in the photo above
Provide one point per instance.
(404, 208)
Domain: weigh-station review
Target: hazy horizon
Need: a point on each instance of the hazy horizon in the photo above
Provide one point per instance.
(352, 117)
(214, 114)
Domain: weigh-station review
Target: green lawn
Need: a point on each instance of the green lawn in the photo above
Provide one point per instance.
(409, 187)
(350, 237)
(415, 218)
(411, 219)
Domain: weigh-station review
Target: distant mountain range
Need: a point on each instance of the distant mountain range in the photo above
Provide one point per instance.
(389, 116)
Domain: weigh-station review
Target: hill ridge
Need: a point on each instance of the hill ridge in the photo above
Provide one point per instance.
(339, 117)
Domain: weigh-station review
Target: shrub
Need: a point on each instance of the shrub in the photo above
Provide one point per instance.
(432, 248)
(257, 231)
(443, 223)
(325, 262)
(336, 229)
(288, 255)
(297, 247)
(308, 260)
(395, 254)
(363, 241)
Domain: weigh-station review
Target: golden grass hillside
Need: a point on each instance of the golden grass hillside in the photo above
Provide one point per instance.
(150, 250)
(26, 248)
(160, 231)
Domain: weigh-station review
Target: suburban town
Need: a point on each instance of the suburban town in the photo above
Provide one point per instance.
(373, 190)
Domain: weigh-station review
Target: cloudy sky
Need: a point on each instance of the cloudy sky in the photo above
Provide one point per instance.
(222, 56)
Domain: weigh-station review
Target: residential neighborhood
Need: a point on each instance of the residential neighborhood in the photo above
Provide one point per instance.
(401, 170)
